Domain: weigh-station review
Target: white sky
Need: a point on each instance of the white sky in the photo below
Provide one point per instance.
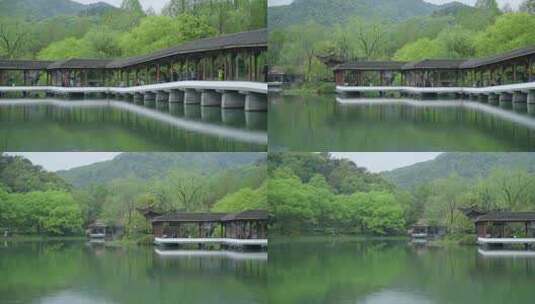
(156, 4)
(54, 161)
(514, 3)
(378, 161)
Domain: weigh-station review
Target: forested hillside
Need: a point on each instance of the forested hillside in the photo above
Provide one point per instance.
(466, 165)
(62, 29)
(391, 30)
(33, 201)
(145, 166)
(329, 13)
(314, 193)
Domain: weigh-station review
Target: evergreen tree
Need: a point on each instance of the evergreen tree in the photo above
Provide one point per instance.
(132, 6)
(487, 4)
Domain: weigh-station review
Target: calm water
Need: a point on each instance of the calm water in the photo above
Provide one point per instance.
(76, 273)
(393, 272)
(99, 125)
(320, 123)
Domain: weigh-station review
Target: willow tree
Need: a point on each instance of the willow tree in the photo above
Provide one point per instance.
(132, 6)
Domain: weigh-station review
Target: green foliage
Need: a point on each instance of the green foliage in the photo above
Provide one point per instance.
(243, 199)
(158, 32)
(50, 212)
(510, 31)
(310, 192)
(18, 174)
(528, 6)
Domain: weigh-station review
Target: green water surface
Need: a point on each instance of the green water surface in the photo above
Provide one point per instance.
(60, 125)
(79, 273)
(320, 123)
(394, 272)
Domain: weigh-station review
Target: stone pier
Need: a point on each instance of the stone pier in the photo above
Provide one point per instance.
(506, 97)
(494, 98)
(162, 96)
(255, 102)
(149, 96)
(210, 98)
(519, 97)
(176, 96)
(138, 97)
(192, 97)
(531, 97)
(232, 100)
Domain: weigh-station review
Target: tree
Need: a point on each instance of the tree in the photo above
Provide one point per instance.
(189, 189)
(491, 5)
(528, 6)
(15, 34)
(510, 31)
(424, 48)
(243, 199)
(132, 6)
(369, 37)
(159, 32)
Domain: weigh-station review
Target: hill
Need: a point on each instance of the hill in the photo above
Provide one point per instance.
(152, 165)
(464, 164)
(18, 174)
(42, 9)
(338, 11)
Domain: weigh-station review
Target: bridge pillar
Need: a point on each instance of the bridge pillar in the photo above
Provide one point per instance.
(531, 97)
(176, 96)
(192, 97)
(255, 102)
(149, 96)
(162, 96)
(232, 100)
(519, 97)
(210, 98)
(483, 98)
(506, 97)
(138, 97)
(129, 97)
(494, 98)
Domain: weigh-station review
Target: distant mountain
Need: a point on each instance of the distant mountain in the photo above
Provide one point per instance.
(337, 11)
(150, 165)
(468, 165)
(41, 9)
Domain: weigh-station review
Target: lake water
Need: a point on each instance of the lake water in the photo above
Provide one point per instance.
(79, 273)
(311, 271)
(108, 125)
(321, 123)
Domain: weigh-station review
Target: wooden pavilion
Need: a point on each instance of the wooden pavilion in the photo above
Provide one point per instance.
(517, 66)
(506, 225)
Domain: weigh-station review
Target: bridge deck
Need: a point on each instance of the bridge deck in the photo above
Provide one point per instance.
(520, 87)
(239, 86)
(481, 240)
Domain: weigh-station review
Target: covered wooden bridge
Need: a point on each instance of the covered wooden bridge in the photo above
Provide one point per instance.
(228, 71)
(498, 78)
(506, 228)
(248, 228)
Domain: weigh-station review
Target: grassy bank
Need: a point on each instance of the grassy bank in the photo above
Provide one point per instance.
(455, 240)
(31, 238)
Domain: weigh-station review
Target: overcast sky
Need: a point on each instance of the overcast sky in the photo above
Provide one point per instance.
(65, 160)
(514, 3)
(378, 162)
(375, 162)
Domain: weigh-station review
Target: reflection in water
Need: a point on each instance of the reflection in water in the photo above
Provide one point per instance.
(320, 123)
(326, 270)
(233, 255)
(73, 272)
(118, 125)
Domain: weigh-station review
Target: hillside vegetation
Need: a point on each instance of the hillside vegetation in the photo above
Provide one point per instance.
(62, 29)
(309, 37)
(33, 201)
